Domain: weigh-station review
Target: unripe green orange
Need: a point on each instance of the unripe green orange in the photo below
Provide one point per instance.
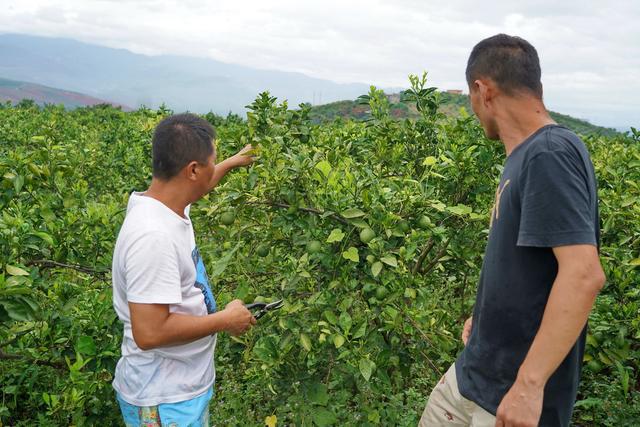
(366, 235)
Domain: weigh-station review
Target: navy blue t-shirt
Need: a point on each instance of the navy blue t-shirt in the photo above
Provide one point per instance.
(546, 198)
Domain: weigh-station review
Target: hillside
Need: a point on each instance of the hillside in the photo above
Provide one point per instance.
(451, 105)
(15, 91)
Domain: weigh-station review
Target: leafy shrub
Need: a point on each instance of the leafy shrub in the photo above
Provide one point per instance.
(370, 323)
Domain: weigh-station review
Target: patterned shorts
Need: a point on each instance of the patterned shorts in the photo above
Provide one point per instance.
(189, 413)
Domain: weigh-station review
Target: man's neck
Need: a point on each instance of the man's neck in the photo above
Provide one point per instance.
(519, 119)
(170, 193)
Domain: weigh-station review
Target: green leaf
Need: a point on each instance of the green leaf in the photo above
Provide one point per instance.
(338, 340)
(439, 206)
(317, 393)
(86, 345)
(265, 349)
(18, 183)
(44, 236)
(410, 293)
(305, 341)
(221, 264)
(460, 209)
(16, 271)
(366, 368)
(345, 322)
(429, 161)
(376, 268)
(589, 403)
(18, 308)
(324, 167)
(322, 417)
(330, 317)
(362, 329)
(336, 236)
(352, 213)
(351, 254)
(359, 222)
(390, 260)
(47, 214)
(635, 261)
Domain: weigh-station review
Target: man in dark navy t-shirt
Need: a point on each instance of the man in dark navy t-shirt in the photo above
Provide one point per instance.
(541, 271)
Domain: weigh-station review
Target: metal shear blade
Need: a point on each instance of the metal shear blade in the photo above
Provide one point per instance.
(262, 307)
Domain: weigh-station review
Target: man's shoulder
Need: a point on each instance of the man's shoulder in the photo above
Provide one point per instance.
(556, 138)
(140, 221)
(558, 143)
(139, 227)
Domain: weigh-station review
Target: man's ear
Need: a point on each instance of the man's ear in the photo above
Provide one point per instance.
(191, 171)
(487, 91)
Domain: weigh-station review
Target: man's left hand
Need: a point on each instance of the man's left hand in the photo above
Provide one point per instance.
(521, 406)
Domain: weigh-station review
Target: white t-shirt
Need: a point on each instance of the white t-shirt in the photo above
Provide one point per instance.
(156, 261)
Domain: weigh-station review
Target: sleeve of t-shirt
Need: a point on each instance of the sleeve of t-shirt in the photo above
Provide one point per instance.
(151, 270)
(556, 202)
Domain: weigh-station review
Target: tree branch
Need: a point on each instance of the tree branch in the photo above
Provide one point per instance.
(46, 263)
(435, 260)
(423, 255)
(310, 210)
(53, 364)
(16, 338)
(425, 337)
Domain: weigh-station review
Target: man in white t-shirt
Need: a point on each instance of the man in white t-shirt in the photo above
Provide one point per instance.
(161, 292)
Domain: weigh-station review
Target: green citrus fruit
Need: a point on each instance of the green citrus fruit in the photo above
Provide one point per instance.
(228, 218)
(381, 292)
(599, 337)
(314, 246)
(262, 250)
(366, 235)
(424, 222)
(594, 366)
(404, 226)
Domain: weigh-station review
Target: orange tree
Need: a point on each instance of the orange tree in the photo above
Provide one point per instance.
(372, 233)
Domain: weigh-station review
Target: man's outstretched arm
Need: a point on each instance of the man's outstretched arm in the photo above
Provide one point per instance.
(580, 278)
(241, 158)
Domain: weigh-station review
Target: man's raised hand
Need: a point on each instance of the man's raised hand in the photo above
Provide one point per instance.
(243, 157)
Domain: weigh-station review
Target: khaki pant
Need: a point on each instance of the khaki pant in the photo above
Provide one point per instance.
(447, 407)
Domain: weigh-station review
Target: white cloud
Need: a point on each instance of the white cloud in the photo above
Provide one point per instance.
(590, 51)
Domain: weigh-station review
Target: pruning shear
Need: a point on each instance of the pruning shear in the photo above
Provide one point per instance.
(259, 309)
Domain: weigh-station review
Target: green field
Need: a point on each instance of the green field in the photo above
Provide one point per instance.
(371, 320)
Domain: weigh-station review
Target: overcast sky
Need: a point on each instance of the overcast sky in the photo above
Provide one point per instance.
(589, 51)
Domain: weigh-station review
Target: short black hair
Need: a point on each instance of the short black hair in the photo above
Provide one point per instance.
(510, 61)
(179, 140)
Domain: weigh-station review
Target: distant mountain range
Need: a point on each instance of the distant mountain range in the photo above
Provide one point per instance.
(181, 83)
(64, 71)
(16, 91)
